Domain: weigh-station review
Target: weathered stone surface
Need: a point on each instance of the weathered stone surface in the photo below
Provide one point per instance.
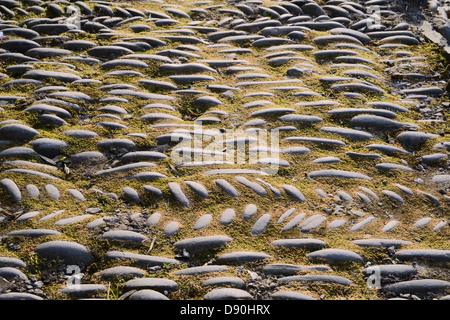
(69, 252)
(335, 255)
(198, 244)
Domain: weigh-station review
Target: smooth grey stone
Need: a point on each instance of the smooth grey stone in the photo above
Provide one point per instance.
(147, 176)
(335, 255)
(335, 224)
(292, 223)
(422, 222)
(390, 225)
(200, 270)
(331, 54)
(295, 150)
(157, 284)
(435, 255)
(12, 262)
(227, 216)
(290, 295)
(83, 290)
(400, 271)
(294, 192)
(176, 191)
(46, 74)
(261, 224)
(12, 189)
(227, 187)
(312, 222)
(420, 286)
(227, 294)
(198, 188)
(71, 220)
(326, 160)
(287, 269)
(356, 87)
(320, 141)
(381, 243)
(234, 282)
(255, 26)
(363, 197)
(185, 68)
(431, 197)
(337, 174)
(126, 167)
(356, 135)
(19, 296)
(121, 272)
(19, 45)
(392, 166)
(78, 45)
(258, 189)
(21, 33)
(9, 273)
(42, 53)
(203, 221)
(110, 144)
(249, 211)
(141, 259)
(171, 228)
(439, 226)
(17, 57)
(19, 152)
(155, 116)
(49, 147)
(363, 155)
(386, 149)
(199, 244)
(274, 190)
(81, 134)
(353, 33)
(69, 252)
(353, 111)
(46, 108)
(432, 158)
(317, 278)
(429, 91)
(142, 155)
(362, 224)
(96, 223)
(154, 84)
(22, 82)
(131, 194)
(129, 63)
(27, 216)
(17, 132)
(32, 172)
(153, 219)
(286, 214)
(307, 244)
(300, 118)
(241, 257)
(111, 52)
(52, 191)
(411, 139)
(124, 236)
(393, 195)
(32, 191)
(153, 190)
(388, 106)
(51, 215)
(86, 157)
(186, 79)
(345, 196)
